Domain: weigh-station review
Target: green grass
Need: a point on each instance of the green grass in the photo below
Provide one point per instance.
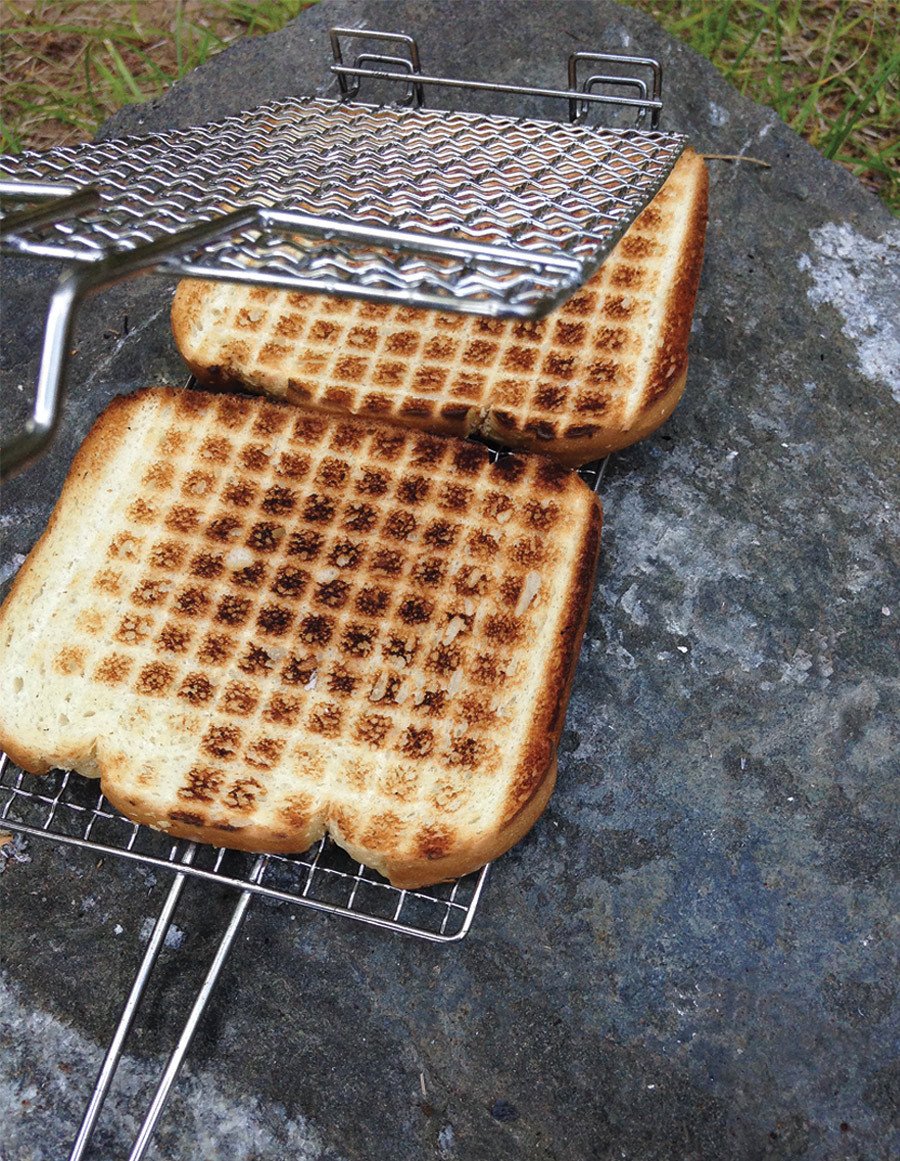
(829, 68)
(66, 66)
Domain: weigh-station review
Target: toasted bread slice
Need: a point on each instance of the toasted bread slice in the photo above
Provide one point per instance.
(601, 372)
(257, 624)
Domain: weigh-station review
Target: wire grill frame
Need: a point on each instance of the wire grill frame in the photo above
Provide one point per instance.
(489, 215)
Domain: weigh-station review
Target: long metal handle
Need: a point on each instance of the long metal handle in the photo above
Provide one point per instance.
(75, 283)
(114, 1052)
(177, 1058)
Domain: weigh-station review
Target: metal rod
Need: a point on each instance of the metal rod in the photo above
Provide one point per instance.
(175, 1060)
(496, 87)
(419, 299)
(414, 64)
(241, 884)
(75, 282)
(26, 191)
(114, 1052)
(52, 211)
(412, 240)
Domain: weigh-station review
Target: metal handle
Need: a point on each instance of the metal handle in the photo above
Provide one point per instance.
(148, 1127)
(114, 1052)
(182, 253)
(414, 79)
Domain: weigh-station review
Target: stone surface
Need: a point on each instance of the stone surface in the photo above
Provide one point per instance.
(692, 954)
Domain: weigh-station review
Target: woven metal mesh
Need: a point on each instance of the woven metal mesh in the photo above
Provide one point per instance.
(552, 191)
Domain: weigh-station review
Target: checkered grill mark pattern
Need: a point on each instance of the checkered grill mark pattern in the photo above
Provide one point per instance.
(551, 188)
(265, 577)
(560, 376)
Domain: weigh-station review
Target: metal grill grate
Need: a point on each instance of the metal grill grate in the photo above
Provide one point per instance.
(491, 215)
(70, 809)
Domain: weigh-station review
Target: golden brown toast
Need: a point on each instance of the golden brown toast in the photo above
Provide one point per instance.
(601, 372)
(256, 624)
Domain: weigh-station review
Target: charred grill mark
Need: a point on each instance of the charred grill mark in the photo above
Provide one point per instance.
(400, 525)
(174, 639)
(372, 728)
(282, 710)
(333, 594)
(141, 512)
(256, 661)
(298, 670)
(125, 545)
(215, 649)
(113, 669)
(250, 576)
(359, 640)
(241, 796)
(239, 699)
(305, 544)
(224, 528)
(316, 629)
(332, 472)
(415, 610)
(166, 555)
(325, 719)
(290, 582)
(429, 572)
(466, 752)
(182, 519)
(154, 679)
(265, 537)
(221, 742)
(149, 593)
(255, 458)
(372, 601)
(501, 629)
(233, 610)
(387, 561)
(441, 534)
(240, 494)
(455, 497)
(372, 483)
(417, 743)
(318, 509)
(484, 670)
(191, 602)
(215, 449)
(274, 619)
(401, 648)
(197, 689)
(203, 785)
(346, 554)
(293, 466)
(482, 545)
(443, 660)
(264, 753)
(342, 681)
(413, 490)
(540, 515)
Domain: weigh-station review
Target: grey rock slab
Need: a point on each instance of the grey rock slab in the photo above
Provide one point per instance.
(692, 954)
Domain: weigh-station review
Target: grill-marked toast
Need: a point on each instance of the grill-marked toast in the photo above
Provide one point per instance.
(256, 624)
(601, 372)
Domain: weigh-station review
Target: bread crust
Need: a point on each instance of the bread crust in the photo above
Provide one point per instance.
(87, 467)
